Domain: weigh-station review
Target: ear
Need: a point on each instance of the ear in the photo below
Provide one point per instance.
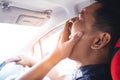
(101, 40)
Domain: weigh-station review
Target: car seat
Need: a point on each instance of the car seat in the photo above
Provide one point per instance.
(115, 64)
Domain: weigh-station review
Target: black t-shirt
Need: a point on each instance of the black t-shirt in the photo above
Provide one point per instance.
(93, 72)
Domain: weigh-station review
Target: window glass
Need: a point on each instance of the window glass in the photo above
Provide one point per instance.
(49, 41)
(47, 44)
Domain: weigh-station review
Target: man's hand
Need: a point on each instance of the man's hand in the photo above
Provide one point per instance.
(66, 45)
(62, 50)
(26, 60)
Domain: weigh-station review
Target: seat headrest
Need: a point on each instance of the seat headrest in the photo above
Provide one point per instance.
(115, 64)
(118, 43)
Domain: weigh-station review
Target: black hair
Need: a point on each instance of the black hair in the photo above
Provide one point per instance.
(108, 20)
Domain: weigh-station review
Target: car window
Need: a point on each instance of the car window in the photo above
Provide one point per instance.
(46, 45)
(47, 42)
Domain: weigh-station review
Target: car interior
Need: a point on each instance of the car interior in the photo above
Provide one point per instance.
(32, 27)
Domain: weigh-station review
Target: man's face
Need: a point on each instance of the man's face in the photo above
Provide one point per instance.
(84, 23)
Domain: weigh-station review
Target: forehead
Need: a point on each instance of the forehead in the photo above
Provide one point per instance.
(95, 6)
(92, 8)
(85, 3)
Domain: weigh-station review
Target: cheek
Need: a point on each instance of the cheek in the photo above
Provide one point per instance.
(84, 45)
(82, 48)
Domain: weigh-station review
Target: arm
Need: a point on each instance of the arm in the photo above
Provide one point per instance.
(62, 50)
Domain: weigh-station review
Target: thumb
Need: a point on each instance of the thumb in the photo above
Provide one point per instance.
(75, 38)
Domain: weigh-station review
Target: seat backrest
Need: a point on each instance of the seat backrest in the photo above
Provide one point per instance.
(115, 64)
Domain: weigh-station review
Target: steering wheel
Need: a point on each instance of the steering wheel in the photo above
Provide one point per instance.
(9, 70)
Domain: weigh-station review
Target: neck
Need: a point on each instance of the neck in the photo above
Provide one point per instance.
(95, 57)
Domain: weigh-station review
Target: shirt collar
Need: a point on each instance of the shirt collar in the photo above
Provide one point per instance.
(88, 69)
(96, 69)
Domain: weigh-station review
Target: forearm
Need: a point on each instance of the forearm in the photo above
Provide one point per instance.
(38, 71)
(63, 50)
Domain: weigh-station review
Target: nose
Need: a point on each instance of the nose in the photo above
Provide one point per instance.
(72, 21)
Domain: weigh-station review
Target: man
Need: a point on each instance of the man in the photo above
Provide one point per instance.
(93, 36)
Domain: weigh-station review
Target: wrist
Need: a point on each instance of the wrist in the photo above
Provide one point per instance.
(32, 63)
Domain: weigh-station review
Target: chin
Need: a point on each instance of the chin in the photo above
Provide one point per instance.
(74, 56)
(71, 57)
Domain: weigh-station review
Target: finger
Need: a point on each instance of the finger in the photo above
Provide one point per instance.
(75, 38)
(13, 59)
(18, 61)
(66, 32)
(73, 19)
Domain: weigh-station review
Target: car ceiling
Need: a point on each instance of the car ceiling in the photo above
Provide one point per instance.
(63, 9)
(43, 4)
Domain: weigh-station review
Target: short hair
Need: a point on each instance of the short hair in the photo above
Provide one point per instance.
(108, 18)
